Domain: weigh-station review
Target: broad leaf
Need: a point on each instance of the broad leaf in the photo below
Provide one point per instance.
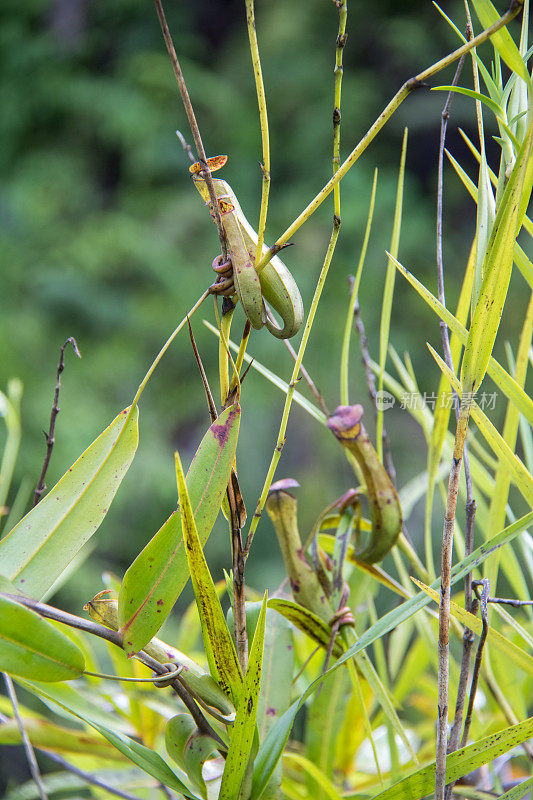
(37, 550)
(154, 581)
(31, 647)
(218, 643)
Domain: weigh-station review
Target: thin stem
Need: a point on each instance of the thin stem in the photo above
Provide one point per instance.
(479, 658)
(444, 607)
(371, 385)
(50, 440)
(30, 755)
(205, 171)
(354, 283)
(388, 111)
(305, 375)
(342, 8)
(468, 637)
(166, 346)
(89, 626)
(263, 120)
(290, 391)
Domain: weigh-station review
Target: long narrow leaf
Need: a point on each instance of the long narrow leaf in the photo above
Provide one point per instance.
(271, 749)
(218, 643)
(244, 727)
(460, 763)
(517, 470)
(501, 378)
(511, 650)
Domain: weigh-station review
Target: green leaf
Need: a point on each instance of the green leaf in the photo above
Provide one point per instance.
(388, 292)
(10, 412)
(497, 269)
(37, 550)
(518, 791)
(501, 378)
(460, 763)
(57, 738)
(154, 581)
(31, 647)
(244, 728)
(323, 726)
(218, 643)
(474, 95)
(502, 39)
(271, 749)
(142, 756)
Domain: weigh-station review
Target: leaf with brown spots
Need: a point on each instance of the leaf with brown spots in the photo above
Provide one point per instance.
(219, 648)
(154, 581)
(241, 744)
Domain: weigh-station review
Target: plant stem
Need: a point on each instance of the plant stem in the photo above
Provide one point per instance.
(290, 391)
(41, 486)
(30, 755)
(388, 111)
(444, 607)
(354, 292)
(89, 626)
(205, 171)
(165, 347)
(263, 120)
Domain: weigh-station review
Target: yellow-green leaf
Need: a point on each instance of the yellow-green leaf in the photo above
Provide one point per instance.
(218, 643)
(519, 656)
(497, 269)
(244, 727)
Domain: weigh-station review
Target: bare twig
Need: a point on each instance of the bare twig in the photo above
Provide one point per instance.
(468, 637)
(186, 146)
(89, 626)
(506, 601)
(205, 172)
(41, 486)
(479, 654)
(30, 755)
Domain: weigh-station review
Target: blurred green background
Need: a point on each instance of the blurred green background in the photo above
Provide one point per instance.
(104, 238)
